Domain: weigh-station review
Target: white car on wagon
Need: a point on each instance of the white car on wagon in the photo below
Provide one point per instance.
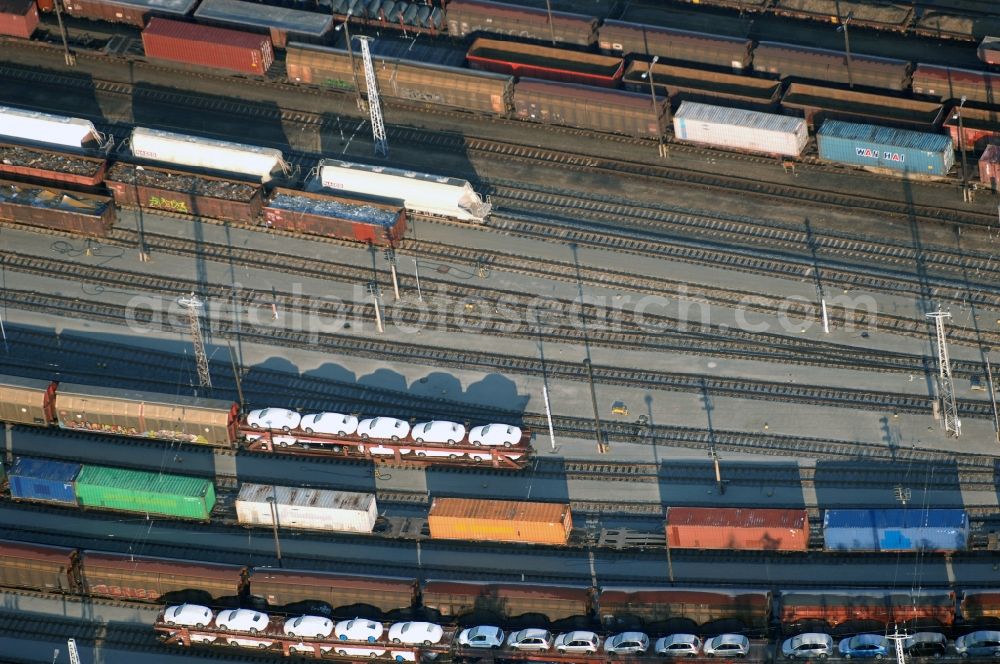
(306, 626)
(383, 427)
(359, 629)
(274, 418)
(189, 615)
(438, 431)
(493, 435)
(329, 423)
(416, 633)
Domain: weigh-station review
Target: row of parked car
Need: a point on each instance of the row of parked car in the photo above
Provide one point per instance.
(440, 432)
(984, 643)
(626, 643)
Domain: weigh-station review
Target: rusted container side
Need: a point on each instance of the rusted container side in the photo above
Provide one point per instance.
(454, 599)
(148, 579)
(381, 221)
(175, 191)
(208, 46)
(467, 17)
(26, 400)
(979, 604)
(282, 587)
(146, 414)
(820, 64)
(838, 606)
(622, 38)
(880, 16)
(949, 83)
(754, 529)
(817, 103)
(584, 107)
(989, 175)
(57, 209)
(552, 64)
(653, 604)
(500, 520)
(686, 84)
(989, 50)
(475, 91)
(980, 127)
(58, 167)
(36, 567)
(18, 18)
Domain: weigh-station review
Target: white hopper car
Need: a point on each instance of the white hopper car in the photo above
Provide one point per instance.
(45, 128)
(421, 192)
(183, 150)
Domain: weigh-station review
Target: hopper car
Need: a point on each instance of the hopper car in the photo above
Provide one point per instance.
(218, 423)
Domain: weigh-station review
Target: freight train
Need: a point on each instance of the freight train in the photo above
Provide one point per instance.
(217, 423)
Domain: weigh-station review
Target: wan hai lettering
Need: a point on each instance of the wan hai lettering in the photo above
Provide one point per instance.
(872, 153)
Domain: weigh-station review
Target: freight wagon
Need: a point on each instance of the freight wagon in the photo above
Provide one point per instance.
(989, 167)
(18, 18)
(302, 508)
(56, 209)
(622, 38)
(584, 107)
(380, 221)
(148, 579)
(896, 530)
(460, 601)
(545, 62)
(469, 17)
(839, 606)
(500, 521)
(23, 125)
(207, 46)
(279, 23)
(130, 12)
(26, 400)
(61, 168)
(682, 84)
(950, 83)
(754, 529)
(207, 153)
(421, 192)
(787, 61)
(989, 50)
(342, 592)
(979, 127)
(624, 605)
(882, 149)
(739, 129)
(881, 16)
(818, 104)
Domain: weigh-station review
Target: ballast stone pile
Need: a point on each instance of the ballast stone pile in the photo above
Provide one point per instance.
(47, 198)
(331, 208)
(13, 155)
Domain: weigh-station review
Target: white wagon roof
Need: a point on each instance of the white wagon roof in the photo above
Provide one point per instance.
(46, 128)
(695, 112)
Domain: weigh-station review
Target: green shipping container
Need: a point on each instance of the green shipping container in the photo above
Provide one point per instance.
(147, 493)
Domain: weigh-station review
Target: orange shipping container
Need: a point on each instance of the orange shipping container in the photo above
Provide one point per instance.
(500, 521)
(739, 529)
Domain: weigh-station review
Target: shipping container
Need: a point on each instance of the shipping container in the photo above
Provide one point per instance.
(740, 129)
(340, 591)
(885, 149)
(756, 529)
(989, 167)
(279, 22)
(421, 192)
(624, 38)
(147, 414)
(978, 126)
(896, 530)
(306, 509)
(820, 64)
(36, 567)
(380, 221)
(980, 605)
(18, 18)
(405, 80)
(148, 579)
(584, 107)
(701, 606)
(186, 193)
(468, 17)
(26, 400)
(712, 87)
(208, 46)
(56, 209)
(881, 16)
(123, 490)
(839, 606)
(61, 168)
(129, 12)
(989, 50)
(500, 521)
(44, 480)
(38, 127)
(455, 599)
(950, 83)
(818, 104)
(546, 62)
(207, 153)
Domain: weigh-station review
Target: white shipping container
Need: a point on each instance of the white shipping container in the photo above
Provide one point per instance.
(184, 150)
(421, 192)
(45, 128)
(737, 128)
(310, 509)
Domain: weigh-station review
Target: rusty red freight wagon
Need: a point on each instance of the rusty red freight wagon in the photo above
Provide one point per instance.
(545, 62)
(281, 587)
(755, 529)
(454, 599)
(36, 567)
(185, 193)
(129, 12)
(207, 46)
(148, 579)
(380, 221)
(469, 17)
(700, 606)
(839, 606)
(18, 18)
(61, 168)
(56, 209)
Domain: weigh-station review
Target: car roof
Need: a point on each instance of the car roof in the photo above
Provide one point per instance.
(579, 634)
(867, 638)
(811, 636)
(533, 631)
(680, 638)
(630, 636)
(729, 638)
(484, 629)
(926, 637)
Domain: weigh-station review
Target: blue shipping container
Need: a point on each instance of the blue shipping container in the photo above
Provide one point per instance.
(883, 147)
(43, 480)
(896, 530)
